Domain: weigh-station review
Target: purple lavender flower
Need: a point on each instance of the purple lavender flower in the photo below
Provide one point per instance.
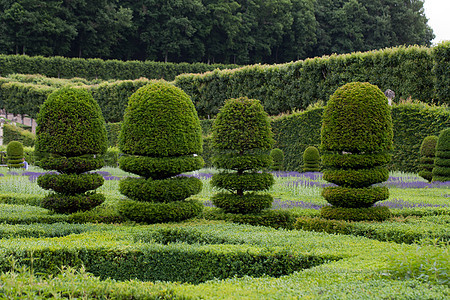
(103, 173)
(1, 174)
(12, 173)
(400, 203)
(111, 178)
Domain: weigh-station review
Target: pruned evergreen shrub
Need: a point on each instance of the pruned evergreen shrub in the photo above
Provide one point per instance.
(14, 154)
(441, 170)
(277, 158)
(311, 159)
(356, 137)
(242, 140)
(427, 153)
(71, 132)
(161, 138)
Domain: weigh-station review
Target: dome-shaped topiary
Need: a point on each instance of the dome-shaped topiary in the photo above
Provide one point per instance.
(441, 170)
(311, 159)
(14, 154)
(277, 158)
(356, 137)
(70, 123)
(427, 153)
(71, 131)
(161, 137)
(242, 139)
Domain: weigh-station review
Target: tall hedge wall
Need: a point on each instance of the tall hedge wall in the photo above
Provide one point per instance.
(14, 133)
(417, 72)
(62, 67)
(412, 122)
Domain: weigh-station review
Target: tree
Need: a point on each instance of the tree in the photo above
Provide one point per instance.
(311, 159)
(441, 170)
(427, 153)
(356, 137)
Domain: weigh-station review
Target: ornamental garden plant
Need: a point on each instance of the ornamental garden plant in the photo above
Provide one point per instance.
(441, 170)
(277, 157)
(356, 139)
(14, 154)
(311, 159)
(427, 153)
(161, 138)
(71, 133)
(242, 140)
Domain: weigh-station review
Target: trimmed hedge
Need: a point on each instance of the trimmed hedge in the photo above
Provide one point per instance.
(15, 133)
(417, 72)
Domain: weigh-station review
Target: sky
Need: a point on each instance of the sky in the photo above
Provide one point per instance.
(438, 14)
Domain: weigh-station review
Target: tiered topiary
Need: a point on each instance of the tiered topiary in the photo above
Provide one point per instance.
(356, 137)
(311, 159)
(427, 152)
(441, 170)
(277, 158)
(242, 140)
(161, 138)
(14, 154)
(71, 132)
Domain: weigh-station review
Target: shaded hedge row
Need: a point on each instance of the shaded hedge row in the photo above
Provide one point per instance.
(417, 72)
(412, 122)
(95, 68)
(15, 133)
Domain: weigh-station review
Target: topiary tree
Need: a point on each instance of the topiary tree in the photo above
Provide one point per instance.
(242, 139)
(356, 137)
(277, 158)
(71, 132)
(441, 170)
(161, 138)
(427, 152)
(311, 159)
(14, 154)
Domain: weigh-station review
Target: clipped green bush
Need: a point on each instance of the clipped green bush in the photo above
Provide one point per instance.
(242, 139)
(71, 132)
(14, 154)
(277, 158)
(441, 170)
(15, 133)
(311, 159)
(356, 123)
(427, 153)
(161, 138)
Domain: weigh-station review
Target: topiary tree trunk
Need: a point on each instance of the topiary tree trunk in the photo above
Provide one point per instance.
(311, 159)
(161, 138)
(14, 154)
(441, 170)
(70, 133)
(356, 137)
(427, 153)
(242, 139)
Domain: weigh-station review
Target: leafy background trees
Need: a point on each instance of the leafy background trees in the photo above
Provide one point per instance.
(214, 31)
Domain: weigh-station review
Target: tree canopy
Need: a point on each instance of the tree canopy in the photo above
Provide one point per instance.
(215, 31)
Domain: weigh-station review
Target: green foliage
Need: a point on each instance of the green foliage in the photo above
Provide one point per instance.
(311, 159)
(277, 158)
(241, 139)
(15, 133)
(163, 190)
(356, 178)
(160, 120)
(112, 132)
(150, 212)
(354, 197)
(249, 203)
(355, 161)
(374, 213)
(70, 123)
(14, 154)
(441, 59)
(357, 119)
(71, 165)
(67, 204)
(427, 152)
(441, 170)
(111, 157)
(70, 184)
(160, 167)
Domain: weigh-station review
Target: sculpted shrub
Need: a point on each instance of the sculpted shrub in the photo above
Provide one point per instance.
(242, 140)
(427, 153)
(161, 138)
(311, 159)
(71, 133)
(277, 158)
(356, 137)
(14, 154)
(441, 170)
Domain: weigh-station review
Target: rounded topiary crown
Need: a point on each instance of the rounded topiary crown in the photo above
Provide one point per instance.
(14, 149)
(443, 142)
(231, 130)
(160, 120)
(357, 119)
(70, 123)
(428, 147)
(310, 154)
